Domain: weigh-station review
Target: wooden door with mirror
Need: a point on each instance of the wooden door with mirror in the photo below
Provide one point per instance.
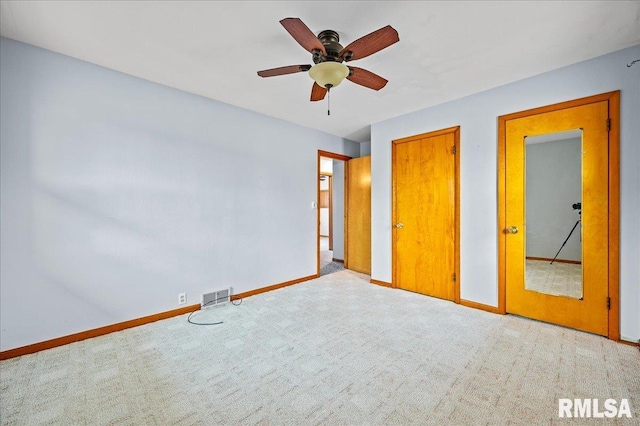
(558, 214)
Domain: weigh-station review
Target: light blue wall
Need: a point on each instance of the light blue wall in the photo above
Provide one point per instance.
(118, 193)
(477, 116)
(365, 149)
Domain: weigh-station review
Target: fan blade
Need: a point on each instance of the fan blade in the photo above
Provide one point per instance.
(317, 92)
(291, 69)
(303, 35)
(366, 78)
(370, 44)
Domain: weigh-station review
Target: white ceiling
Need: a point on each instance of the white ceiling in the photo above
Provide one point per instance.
(447, 50)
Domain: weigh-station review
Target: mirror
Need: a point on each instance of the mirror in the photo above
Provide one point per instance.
(553, 165)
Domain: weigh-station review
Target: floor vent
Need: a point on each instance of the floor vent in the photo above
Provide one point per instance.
(215, 298)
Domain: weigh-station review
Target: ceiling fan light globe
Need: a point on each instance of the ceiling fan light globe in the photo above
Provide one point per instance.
(329, 74)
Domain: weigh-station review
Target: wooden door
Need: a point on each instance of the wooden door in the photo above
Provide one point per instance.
(591, 312)
(425, 214)
(358, 215)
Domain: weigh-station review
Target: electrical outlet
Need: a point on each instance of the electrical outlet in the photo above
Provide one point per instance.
(182, 298)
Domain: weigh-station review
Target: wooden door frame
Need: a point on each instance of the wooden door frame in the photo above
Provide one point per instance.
(613, 99)
(330, 206)
(333, 156)
(330, 177)
(394, 219)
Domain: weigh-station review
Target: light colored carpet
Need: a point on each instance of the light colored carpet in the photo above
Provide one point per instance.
(335, 350)
(327, 265)
(331, 267)
(558, 279)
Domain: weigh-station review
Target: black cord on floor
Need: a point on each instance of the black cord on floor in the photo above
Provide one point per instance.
(201, 323)
(205, 305)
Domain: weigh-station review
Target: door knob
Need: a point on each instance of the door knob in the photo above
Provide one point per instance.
(511, 230)
(399, 225)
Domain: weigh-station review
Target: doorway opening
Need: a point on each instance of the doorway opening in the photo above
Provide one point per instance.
(331, 212)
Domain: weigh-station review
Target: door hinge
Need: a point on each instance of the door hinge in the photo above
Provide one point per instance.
(453, 149)
(608, 303)
(608, 124)
(453, 276)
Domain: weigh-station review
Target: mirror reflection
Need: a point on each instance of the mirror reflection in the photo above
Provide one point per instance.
(553, 214)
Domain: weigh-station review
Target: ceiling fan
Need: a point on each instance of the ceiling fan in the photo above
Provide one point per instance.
(328, 55)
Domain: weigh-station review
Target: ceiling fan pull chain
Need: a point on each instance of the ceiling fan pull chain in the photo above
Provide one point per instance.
(328, 101)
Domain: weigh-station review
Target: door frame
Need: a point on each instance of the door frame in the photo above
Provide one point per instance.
(613, 99)
(333, 156)
(394, 219)
(329, 177)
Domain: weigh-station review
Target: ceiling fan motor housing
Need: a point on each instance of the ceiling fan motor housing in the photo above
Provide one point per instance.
(331, 42)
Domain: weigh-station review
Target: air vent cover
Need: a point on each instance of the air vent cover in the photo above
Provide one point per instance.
(215, 298)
